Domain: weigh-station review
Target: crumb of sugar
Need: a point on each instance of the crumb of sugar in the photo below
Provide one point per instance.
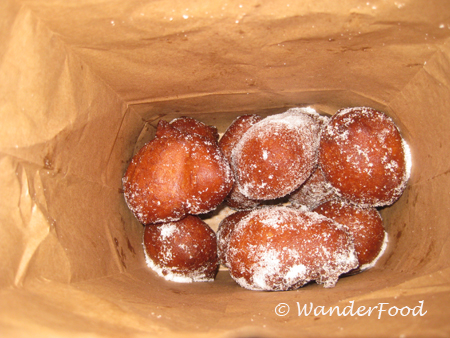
(167, 230)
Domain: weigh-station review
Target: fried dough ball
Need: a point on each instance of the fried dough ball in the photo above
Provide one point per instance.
(276, 155)
(365, 225)
(182, 251)
(226, 227)
(280, 248)
(315, 191)
(174, 175)
(363, 155)
(227, 142)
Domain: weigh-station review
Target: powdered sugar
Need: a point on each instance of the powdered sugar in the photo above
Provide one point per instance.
(295, 274)
(268, 264)
(168, 230)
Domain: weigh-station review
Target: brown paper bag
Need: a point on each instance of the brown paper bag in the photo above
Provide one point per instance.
(83, 85)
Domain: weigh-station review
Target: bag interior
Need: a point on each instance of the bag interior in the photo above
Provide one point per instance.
(83, 87)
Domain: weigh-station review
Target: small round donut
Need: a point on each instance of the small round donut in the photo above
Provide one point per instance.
(365, 225)
(315, 191)
(280, 248)
(363, 156)
(276, 155)
(183, 251)
(224, 231)
(174, 175)
(227, 142)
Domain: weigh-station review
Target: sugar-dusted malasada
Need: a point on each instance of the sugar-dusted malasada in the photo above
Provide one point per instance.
(365, 225)
(182, 251)
(280, 248)
(276, 155)
(181, 171)
(363, 155)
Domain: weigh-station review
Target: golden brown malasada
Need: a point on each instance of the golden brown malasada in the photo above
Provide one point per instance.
(174, 175)
(276, 155)
(281, 248)
(363, 156)
(182, 251)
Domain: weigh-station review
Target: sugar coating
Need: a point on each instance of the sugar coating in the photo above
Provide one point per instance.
(269, 264)
(277, 154)
(191, 126)
(273, 261)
